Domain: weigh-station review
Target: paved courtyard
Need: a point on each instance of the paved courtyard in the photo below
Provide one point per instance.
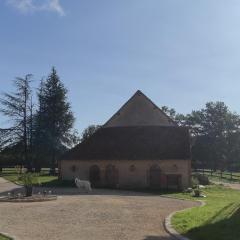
(103, 215)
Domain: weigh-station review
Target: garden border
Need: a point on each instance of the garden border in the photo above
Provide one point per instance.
(169, 227)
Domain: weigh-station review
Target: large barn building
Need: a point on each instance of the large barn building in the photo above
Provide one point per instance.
(139, 147)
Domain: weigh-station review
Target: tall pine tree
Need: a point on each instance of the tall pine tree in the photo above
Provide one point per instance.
(54, 118)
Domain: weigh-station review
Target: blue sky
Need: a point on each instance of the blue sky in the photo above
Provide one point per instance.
(180, 53)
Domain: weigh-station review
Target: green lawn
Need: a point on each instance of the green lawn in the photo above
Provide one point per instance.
(218, 220)
(44, 179)
(4, 238)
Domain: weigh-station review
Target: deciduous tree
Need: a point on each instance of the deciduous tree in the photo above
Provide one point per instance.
(17, 108)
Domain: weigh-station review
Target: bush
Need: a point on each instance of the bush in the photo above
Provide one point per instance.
(29, 180)
(197, 192)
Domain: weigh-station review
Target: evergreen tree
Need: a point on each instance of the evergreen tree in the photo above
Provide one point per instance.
(54, 119)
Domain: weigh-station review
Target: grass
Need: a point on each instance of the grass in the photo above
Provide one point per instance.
(44, 178)
(219, 219)
(2, 237)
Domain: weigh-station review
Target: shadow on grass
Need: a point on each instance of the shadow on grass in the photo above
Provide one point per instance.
(226, 229)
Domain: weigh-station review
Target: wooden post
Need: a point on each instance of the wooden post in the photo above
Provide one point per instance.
(231, 175)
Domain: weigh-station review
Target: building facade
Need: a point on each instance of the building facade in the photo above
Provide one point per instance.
(139, 147)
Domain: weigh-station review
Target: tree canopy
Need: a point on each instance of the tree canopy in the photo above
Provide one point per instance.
(215, 135)
(89, 131)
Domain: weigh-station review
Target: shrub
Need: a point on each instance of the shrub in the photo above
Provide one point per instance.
(29, 180)
(197, 192)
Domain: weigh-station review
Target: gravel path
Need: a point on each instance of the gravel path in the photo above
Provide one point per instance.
(6, 186)
(103, 215)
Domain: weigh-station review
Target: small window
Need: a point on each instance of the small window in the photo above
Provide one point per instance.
(73, 168)
(132, 168)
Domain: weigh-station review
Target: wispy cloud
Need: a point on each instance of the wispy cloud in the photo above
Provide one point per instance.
(30, 6)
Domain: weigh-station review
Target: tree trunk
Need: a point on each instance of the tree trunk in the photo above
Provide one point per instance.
(52, 169)
(28, 191)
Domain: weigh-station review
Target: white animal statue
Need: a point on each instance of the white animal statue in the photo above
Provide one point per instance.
(83, 184)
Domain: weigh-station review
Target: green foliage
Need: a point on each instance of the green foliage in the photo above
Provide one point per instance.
(17, 108)
(29, 179)
(197, 192)
(217, 135)
(42, 178)
(37, 136)
(2, 237)
(215, 132)
(89, 131)
(169, 111)
(54, 119)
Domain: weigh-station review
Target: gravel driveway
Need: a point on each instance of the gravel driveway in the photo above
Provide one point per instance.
(6, 186)
(103, 215)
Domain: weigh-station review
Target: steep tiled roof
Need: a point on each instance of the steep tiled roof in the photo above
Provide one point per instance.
(139, 142)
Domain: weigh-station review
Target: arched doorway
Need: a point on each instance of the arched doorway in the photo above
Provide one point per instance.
(111, 176)
(155, 176)
(95, 176)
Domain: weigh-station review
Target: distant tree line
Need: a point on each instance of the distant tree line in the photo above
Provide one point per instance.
(215, 136)
(40, 132)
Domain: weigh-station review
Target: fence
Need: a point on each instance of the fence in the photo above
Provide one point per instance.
(229, 176)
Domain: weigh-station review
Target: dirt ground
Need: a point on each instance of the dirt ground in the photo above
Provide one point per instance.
(103, 215)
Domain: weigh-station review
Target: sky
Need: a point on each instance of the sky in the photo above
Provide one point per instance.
(180, 53)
